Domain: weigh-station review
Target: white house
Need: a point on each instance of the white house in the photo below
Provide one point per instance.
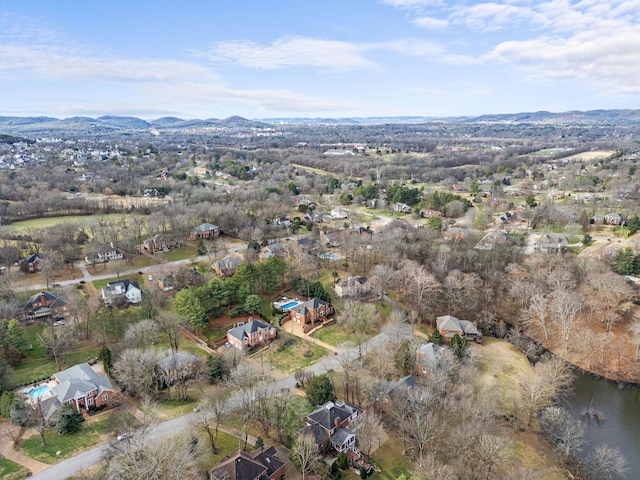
(122, 290)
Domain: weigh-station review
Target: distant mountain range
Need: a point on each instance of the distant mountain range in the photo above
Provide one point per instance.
(114, 123)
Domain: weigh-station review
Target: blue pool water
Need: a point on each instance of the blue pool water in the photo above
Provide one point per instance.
(39, 392)
(332, 256)
(289, 305)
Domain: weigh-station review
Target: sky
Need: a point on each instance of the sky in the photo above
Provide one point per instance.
(306, 58)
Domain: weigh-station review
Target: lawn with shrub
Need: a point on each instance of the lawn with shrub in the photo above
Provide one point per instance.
(289, 353)
(90, 434)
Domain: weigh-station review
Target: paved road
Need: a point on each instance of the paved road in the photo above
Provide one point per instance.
(177, 425)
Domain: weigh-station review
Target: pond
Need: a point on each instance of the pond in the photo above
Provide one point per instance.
(621, 425)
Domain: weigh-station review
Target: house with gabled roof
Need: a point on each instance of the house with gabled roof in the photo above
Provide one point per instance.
(261, 464)
(103, 254)
(554, 243)
(31, 264)
(205, 231)
(45, 305)
(160, 243)
(329, 426)
(226, 266)
(430, 357)
(351, 287)
(311, 311)
(449, 326)
(272, 250)
(251, 334)
(120, 292)
(80, 386)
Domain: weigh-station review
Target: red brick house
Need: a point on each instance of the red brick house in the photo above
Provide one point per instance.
(253, 333)
(311, 311)
(329, 426)
(31, 264)
(45, 305)
(261, 464)
(205, 231)
(80, 386)
(449, 326)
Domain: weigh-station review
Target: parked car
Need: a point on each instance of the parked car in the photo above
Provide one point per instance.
(59, 323)
(124, 436)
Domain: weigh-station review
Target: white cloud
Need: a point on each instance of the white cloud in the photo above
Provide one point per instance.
(430, 23)
(610, 61)
(294, 52)
(490, 16)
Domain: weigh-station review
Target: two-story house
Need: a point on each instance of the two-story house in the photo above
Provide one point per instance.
(261, 464)
(205, 231)
(31, 264)
(449, 326)
(80, 386)
(311, 311)
(45, 305)
(103, 254)
(120, 292)
(329, 426)
(253, 333)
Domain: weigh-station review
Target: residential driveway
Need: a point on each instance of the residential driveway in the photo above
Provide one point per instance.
(7, 451)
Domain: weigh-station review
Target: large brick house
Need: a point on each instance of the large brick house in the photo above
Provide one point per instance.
(261, 464)
(31, 264)
(311, 311)
(449, 326)
(205, 231)
(160, 243)
(45, 305)
(253, 333)
(329, 426)
(80, 386)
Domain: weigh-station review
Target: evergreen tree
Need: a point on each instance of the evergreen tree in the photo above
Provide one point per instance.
(69, 420)
(320, 390)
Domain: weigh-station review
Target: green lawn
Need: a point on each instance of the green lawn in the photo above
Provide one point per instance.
(10, 470)
(40, 368)
(51, 221)
(91, 433)
(100, 284)
(389, 459)
(292, 357)
(333, 335)
(186, 251)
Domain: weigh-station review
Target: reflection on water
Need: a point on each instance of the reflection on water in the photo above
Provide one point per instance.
(621, 409)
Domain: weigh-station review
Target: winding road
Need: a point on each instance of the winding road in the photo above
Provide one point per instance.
(89, 458)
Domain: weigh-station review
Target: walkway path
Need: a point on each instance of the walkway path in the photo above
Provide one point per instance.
(7, 451)
(298, 332)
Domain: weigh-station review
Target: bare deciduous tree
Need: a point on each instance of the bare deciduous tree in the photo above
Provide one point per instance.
(57, 341)
(370, 431)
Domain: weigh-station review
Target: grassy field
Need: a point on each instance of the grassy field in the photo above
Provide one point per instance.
(52, 221)
(91, 433)
(502, 367)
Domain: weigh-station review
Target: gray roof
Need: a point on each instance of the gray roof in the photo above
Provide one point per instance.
(79, 380)
(327, 414)
(341, 435)
(248, 328)
(312, 304)
(229, 263)
(177, 359)
(204, 227)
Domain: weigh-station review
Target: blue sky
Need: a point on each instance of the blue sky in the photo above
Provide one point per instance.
(304, 58)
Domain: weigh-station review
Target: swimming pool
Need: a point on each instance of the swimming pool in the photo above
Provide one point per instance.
(39, 392)
(289, 305)
(331, 256)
